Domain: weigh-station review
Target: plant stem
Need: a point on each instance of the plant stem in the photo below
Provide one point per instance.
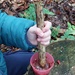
(40, 24)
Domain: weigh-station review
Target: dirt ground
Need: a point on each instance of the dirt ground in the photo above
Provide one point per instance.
(63, 9)
(64, 12)
(63, 53)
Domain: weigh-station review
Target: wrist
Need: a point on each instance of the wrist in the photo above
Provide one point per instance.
(29, 42)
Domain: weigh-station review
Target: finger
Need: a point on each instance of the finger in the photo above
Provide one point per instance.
(44, 39)
(46, 34)
(45, 43)
(47, 26)
(39, 32)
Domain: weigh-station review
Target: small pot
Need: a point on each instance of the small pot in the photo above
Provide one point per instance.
(49, 59)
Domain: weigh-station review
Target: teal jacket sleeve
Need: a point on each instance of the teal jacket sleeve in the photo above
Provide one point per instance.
(13, 31)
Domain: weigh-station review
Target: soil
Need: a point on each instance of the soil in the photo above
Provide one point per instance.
(37, 66)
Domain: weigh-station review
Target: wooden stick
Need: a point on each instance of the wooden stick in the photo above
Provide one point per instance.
(40, 24)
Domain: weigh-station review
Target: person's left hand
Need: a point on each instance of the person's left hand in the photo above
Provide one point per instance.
(43, 36)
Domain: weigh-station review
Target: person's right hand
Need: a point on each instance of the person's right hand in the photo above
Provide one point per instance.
(43, 36)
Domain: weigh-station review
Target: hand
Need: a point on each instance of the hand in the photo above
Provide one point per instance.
(43, 36)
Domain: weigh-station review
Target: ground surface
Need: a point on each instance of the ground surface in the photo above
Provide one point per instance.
(63, 53)
(64, 11)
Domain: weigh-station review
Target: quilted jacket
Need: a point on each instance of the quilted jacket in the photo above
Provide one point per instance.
(13, 33)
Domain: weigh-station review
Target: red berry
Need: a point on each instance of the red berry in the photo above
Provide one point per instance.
(58, 62)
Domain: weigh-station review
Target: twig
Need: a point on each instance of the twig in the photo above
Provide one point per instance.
(40, 24)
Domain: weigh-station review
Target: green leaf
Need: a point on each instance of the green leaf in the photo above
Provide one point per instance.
(55, 32)
(69, 25)
(71, 37)
(73, 27)
(30, 12)
(72, 32)
(63, 37)
(46, 11)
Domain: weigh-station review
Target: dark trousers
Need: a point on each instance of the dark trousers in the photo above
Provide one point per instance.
(17, 62)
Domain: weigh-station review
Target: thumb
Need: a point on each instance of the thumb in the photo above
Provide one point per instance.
(36, 31)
